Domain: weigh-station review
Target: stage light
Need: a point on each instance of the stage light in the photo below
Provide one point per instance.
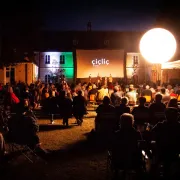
(158, 45)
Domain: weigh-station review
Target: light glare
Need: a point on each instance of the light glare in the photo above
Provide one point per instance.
(158, 45)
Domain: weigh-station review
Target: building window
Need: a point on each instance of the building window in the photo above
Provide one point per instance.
(47, 59)
(135, 60)
(106, 42)
(62, 59)
(75, 42)
(7, 74)
(47, 78)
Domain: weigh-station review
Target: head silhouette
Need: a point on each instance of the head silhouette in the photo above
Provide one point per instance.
(106, 100)
(173, 103)
(163, 91)
(124, 100)
(158, 98)
(142, 101)
(171, 114)
(126, 120)
(63, 94)
(79, 93)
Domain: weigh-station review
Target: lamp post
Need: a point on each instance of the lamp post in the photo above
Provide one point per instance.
(157, 46)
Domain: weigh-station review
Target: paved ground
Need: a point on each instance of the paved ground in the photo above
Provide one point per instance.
(71, 157)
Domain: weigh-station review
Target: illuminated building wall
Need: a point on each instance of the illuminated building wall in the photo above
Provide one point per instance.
(52, 62)
(24, 72)
(134, 61)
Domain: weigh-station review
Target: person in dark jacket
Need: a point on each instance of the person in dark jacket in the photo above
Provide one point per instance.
(167, 137)
(23, 128)
(65, 107)
(79, 107)
(125, 151)
(156, 110)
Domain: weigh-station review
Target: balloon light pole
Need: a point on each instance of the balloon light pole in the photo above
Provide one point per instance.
(157, 46)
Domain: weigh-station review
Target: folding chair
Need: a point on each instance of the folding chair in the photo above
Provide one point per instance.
(23, 148)
(105, 126)
(92, 99)
(15, 144)
(125, 169)
(25, 151)
(178, 98)
(148, 100)
(105, 123)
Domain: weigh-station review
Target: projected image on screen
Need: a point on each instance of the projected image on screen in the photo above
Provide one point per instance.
(102, 62)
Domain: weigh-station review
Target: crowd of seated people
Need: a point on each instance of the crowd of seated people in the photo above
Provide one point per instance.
(133, 127)
(36, 94)
(147, 105)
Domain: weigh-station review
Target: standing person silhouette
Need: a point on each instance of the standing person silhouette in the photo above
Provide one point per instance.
(79, 107)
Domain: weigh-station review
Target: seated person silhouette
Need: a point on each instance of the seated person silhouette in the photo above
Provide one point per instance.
(106, 117)
(156, 110)
(167, 137)
(23, 129)
(125, 152)
(141, 113)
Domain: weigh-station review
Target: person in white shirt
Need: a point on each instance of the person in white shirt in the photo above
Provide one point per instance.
(168, 90)
(165, 97)
(102, 93)
(132, 96)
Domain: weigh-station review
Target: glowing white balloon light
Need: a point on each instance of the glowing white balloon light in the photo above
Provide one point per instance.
(158, 45)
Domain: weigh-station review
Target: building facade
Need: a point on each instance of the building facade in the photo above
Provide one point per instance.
(52, 65)
(58, 53)
(136, 68)
(171, 72)
(24, 72)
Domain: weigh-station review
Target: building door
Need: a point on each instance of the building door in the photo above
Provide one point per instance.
(10, 75)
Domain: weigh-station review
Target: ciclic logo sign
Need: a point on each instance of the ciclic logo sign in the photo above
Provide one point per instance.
(98, 62)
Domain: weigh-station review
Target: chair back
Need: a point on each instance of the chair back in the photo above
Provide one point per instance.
(106, 123)
(92, 98)
(178, 98)
(148, 99)
(126, 153)
(159, 115)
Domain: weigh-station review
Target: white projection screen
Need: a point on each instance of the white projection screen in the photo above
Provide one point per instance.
(104, 62)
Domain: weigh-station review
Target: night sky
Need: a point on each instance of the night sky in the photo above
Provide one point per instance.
(122, 15)
(110, 15)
